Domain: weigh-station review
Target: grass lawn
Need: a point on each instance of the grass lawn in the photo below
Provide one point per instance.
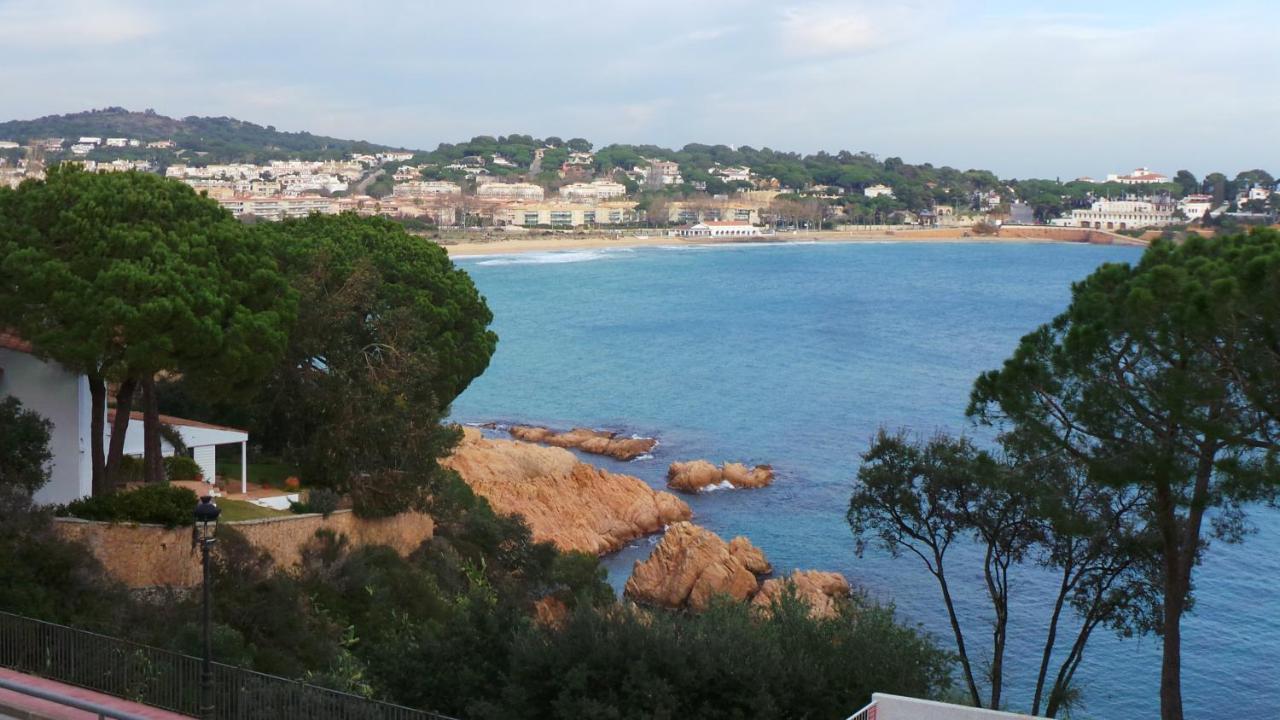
(269, 471)
(240, 510)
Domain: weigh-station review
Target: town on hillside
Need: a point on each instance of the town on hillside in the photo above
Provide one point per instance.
(517, 183)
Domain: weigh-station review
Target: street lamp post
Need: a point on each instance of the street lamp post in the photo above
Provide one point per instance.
(206, 514)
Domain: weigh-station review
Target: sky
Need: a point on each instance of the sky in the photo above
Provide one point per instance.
(1027, 89)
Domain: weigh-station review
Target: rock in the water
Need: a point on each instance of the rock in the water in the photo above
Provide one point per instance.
(598, 442)
(691, 566)
(698, 475)
(821, 591)
(565, 501)
(751, 557)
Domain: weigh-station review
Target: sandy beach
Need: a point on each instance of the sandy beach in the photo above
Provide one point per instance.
(506, 245)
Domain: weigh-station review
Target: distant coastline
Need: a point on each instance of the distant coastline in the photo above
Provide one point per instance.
(580, 241)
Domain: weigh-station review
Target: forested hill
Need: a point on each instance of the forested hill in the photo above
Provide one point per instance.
(223, 138)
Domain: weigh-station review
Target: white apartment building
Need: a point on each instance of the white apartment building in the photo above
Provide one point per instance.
(277, 207)
(161, 144)
(731, 174)
(689, 213)
(426, 188)
(395, 156)
(82, 148)
(118, 142)
(1195, 206)
(661, 172)
(1257, 192)
(1140, 176)
(565, 214)
(877, 190)
(595, 190)
(510, 191)
(90, 141)
(51, 144)
(1122, 214)
(8, 145)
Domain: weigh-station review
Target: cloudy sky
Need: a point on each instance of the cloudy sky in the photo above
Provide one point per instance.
(1046, 89)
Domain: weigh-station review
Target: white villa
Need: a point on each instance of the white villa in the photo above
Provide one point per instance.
(717, 229)
(1122, 215)
(62, 397)
(875, 191)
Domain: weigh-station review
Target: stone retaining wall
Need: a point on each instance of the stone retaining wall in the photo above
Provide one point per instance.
(143, 556)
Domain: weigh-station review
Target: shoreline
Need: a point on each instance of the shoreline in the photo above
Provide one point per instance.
(1035, 235)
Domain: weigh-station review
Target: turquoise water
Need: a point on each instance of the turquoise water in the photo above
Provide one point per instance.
(793, 355)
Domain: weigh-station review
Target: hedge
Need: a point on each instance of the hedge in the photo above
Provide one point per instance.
(158, 504)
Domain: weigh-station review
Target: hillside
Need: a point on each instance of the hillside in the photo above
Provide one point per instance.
(223, 138)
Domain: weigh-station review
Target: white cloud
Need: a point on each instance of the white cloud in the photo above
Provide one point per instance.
(75, 23)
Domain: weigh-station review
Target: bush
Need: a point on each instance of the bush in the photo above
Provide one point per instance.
(24, 447)
(181, 467)
(159, 504)
(319, 500)
(131, 471)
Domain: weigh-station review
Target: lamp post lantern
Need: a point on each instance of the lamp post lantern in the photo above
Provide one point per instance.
(206, 514)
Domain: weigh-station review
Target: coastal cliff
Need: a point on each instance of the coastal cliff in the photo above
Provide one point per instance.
(596, 442)
(565, 501)
(693, 565)
(698, 475)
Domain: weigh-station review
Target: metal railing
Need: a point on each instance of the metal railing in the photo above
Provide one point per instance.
(102, 711)
(171, 680)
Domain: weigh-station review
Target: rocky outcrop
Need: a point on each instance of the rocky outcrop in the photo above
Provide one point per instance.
(565, 501)
(597, 442)
(699, 475)
(821, 591)
(691, 566)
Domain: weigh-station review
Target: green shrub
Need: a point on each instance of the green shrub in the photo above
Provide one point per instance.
(319, 500)
(158, 504)
(131, 471)
(181, 467)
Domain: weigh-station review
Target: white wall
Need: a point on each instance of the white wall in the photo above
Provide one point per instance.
(62, 398)
(896, 707)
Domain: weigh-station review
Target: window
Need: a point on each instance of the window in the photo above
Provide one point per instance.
(615, 216)
(589, 217)
(531, 218)
(741, 214)
(562, 217)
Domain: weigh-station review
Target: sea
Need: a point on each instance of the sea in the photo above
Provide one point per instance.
(794, 354)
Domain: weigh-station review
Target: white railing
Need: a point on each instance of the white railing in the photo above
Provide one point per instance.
(866, 713)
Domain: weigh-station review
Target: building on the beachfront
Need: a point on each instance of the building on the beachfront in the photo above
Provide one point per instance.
(277, 207)
(1123, 214)
(689, 212)
(510, 191)
(565, 214)
(595, 190)
(714, 229)
(1140, 176)
(877, 190)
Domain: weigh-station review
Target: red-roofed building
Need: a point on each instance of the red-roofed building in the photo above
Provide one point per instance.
(62, 397)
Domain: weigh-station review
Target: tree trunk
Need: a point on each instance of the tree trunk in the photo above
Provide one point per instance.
(97, 427)
(119, 429)
(152, 459)
(1171, 665)
(1051, 639)
(959, 635)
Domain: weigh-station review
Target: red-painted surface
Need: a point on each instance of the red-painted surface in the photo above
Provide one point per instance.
(54, 711)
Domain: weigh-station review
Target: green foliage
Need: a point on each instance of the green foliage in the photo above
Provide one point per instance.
(222, 139)
(44, 576)
(726, 663)
(181, 467)
(389, 331)
(156, 504)
(1161, 378)
(24, 448)
(319, 500)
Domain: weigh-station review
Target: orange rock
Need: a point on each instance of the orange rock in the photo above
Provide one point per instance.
(821, 591)
(565, 501)
(751, 557)
(699, 475)
(597, 442)
(690, 567)
(550, 611)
